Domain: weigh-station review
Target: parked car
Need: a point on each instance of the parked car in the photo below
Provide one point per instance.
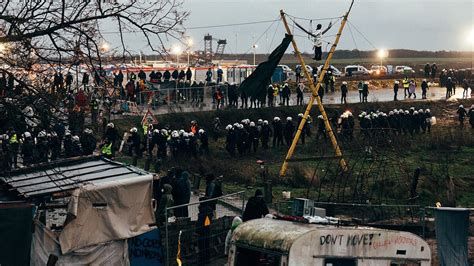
(336, 72)
(286, 68)
(377, 70)
(404, 70)
(356, 70)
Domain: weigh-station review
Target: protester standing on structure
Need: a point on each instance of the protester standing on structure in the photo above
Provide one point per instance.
(318, 41)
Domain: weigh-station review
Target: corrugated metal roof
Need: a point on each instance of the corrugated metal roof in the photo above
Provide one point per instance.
(67, 175)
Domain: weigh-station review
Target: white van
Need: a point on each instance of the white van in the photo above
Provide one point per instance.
(335, 72)
(283, 243)
(355, 70)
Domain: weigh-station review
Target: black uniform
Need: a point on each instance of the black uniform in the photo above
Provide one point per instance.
(344, 93)
(277, 133)
(89, 143)
(289, 132)
(204, 148)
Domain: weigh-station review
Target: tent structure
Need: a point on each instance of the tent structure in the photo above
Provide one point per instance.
(87, 209)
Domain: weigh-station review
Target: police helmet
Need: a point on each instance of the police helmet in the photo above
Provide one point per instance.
(344, 82)
(427, 110)
(133, 130)
(276, 118)
(111, 125)
(185, 134)
(228, 127)
(75, 138)
(289, 118)
(201, 131)
(259, 121)
(300, 115)
(252, 124)
(265, 122)
(27, 134)
(190, 134)
(461, 106)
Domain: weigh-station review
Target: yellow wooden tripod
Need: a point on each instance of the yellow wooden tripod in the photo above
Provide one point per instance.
(315, 96)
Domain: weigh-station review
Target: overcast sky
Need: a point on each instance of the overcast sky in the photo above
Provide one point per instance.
(390, 24)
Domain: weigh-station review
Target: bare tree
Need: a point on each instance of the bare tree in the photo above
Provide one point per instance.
(37, 36)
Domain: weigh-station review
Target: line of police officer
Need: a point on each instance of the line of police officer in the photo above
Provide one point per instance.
(43, 146)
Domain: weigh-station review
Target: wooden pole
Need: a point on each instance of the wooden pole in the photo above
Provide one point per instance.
(315, 96)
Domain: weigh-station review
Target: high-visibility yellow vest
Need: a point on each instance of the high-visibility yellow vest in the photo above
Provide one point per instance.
(406, 83)
(145, 129)
(13, 139)
(106, 149)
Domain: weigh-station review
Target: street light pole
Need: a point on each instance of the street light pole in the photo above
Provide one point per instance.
(255, 46)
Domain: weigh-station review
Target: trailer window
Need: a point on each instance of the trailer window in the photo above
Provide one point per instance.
(404, 263)
(245, 257)
(340, 262)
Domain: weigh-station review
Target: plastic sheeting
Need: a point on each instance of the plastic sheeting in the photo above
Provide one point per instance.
(452, 231)
(109, 211)
(45, 244)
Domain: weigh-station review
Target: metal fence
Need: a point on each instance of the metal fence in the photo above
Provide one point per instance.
(410, 218)
(198, 230)
(185, 97)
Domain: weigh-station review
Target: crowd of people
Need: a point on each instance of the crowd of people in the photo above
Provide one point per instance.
(241, 138)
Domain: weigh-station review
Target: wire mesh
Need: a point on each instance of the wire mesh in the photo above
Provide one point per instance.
(202, 228)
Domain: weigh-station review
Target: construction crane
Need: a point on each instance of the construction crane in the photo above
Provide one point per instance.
(208, 51)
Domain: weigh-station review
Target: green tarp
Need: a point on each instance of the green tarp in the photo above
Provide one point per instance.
(257, 83)
(452, 231)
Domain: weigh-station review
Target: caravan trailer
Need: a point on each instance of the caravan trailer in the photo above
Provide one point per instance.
(276, 242)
